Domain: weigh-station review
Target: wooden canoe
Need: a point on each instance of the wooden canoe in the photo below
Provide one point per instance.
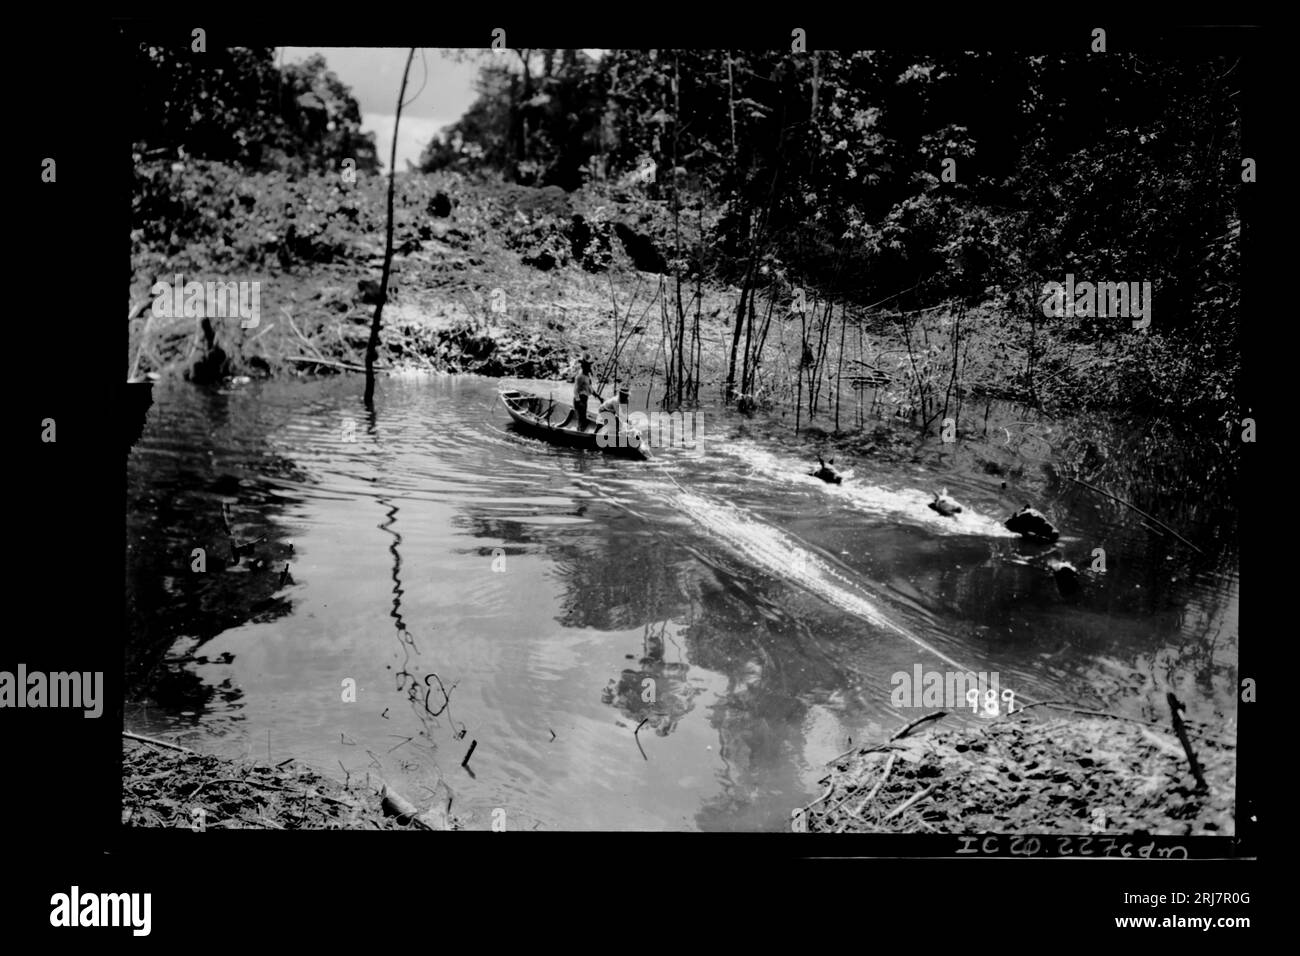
(555, 421)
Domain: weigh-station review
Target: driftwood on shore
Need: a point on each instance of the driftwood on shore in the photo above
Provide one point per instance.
(396, 805)
(329, 362)
(156, 743)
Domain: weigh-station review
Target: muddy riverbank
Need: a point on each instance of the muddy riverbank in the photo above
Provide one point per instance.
(498, 280)
(1021, 773)
(169, 786)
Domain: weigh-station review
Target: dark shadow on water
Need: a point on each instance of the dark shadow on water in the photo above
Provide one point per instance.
(176, 489)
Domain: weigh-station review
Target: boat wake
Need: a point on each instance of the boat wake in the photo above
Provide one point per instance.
(909, 505)
(782, 556)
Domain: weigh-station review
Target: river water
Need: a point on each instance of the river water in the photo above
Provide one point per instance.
(464, 583)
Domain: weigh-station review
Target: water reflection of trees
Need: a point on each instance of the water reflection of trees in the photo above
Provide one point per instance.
(698, 610)
(656, 690)
(620, 579)
(776, 658)
(629, 577)
(199, 451)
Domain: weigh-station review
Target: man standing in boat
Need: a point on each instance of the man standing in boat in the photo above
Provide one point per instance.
(582, 392)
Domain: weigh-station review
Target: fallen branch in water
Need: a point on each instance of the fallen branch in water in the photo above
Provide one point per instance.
(638, 739)
(1175, 705)
(1138, 510)
(157, 743)
(937, 715)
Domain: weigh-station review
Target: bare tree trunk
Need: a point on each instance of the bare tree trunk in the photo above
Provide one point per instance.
(622, 333)
(372, 347)
(815, 380)
(965, 362)
(757, 357)
(911, 356)
(749, 334)
(799, 369)
(757, 246)
(956, 352)
(861, 350)
(680, 351)
(1029, 367)
(699, 305)
(839, 366)
(731, 110)
(798, 399)
(745, 292)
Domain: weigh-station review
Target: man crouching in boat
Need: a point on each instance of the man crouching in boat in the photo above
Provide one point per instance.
(582, 392)
(613, 418)
(616, 405)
